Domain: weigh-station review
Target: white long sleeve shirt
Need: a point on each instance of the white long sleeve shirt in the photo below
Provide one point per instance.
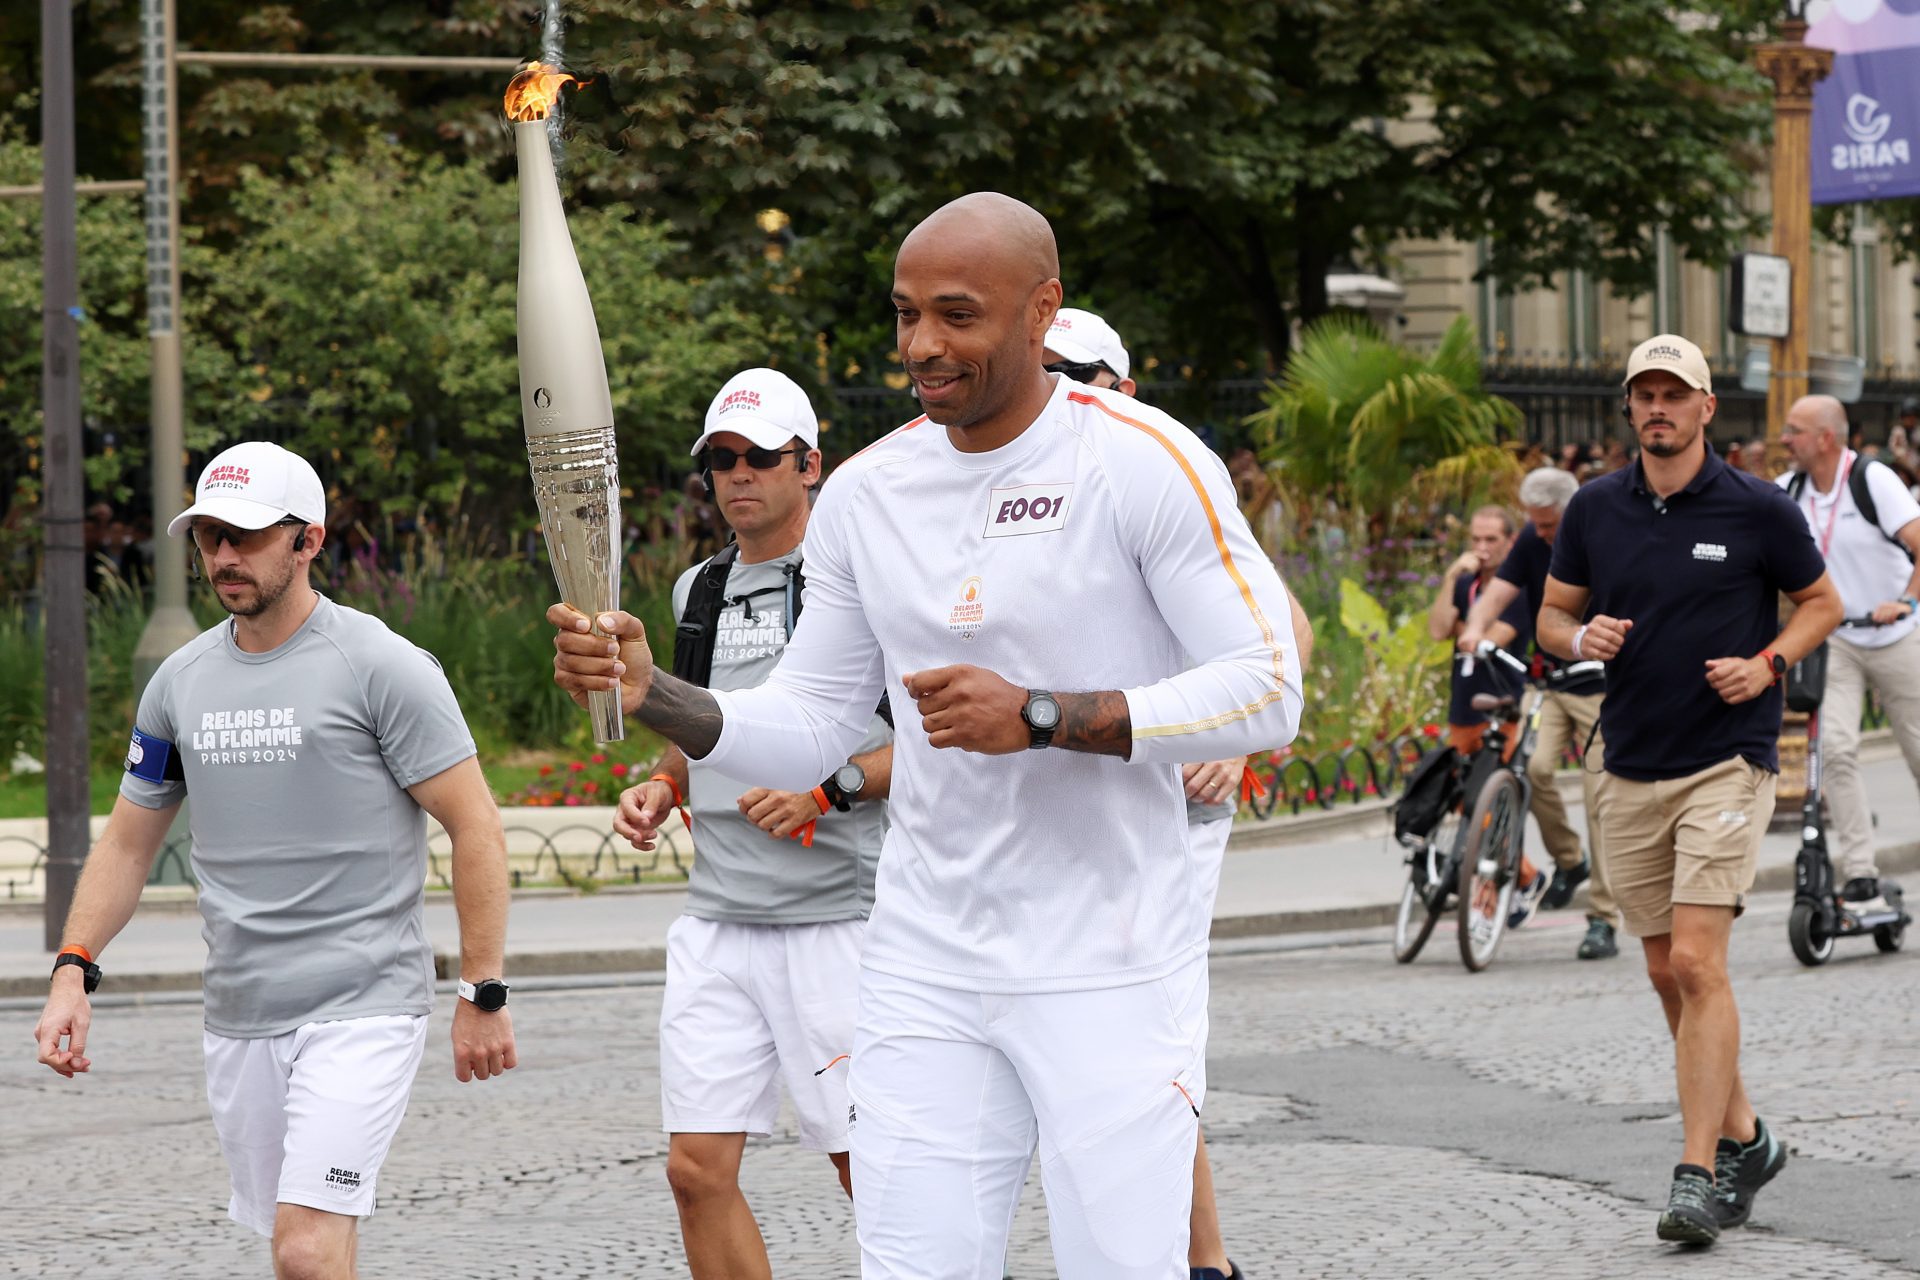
(1095, 551)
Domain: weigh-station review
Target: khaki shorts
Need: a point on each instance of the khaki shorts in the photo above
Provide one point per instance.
(1692, 840)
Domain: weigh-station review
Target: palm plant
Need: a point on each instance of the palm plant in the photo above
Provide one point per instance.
(1378, 427)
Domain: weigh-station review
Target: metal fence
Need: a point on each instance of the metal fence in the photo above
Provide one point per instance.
(1288, 784)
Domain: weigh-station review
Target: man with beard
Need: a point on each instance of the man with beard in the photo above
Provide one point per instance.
(1034, 972)
(1676, 565)
(313, 741)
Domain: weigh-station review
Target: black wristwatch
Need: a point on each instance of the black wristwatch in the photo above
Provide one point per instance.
(846, 783)
(1042, 714)
(1775, 663)
(90, 971)
(489, 995)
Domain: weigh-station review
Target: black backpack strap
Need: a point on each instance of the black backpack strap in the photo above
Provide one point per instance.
(1863, 499)
(1796, 485)
(693, 639)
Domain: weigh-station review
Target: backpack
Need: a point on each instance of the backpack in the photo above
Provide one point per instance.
(1433, 787)
(693, 639)
(1862, 496)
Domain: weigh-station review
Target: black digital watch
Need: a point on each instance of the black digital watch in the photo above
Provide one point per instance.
(90, 971)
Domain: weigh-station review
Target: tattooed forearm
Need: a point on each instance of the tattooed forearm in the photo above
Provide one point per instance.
(684, 714)
(1095, 722)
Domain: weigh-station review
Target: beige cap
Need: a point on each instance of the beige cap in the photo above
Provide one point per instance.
(1673, 354)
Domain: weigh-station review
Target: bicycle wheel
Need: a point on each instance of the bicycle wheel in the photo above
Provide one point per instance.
(1423, 897)
(1490, 868)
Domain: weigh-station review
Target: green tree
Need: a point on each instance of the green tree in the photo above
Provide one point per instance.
(1373, 425)
(1205, 163)
(365, 315)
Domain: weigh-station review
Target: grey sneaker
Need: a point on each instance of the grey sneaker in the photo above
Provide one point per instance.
(1527, 899)
(1739, 1171)
(1599, 943)
(1693, 1211)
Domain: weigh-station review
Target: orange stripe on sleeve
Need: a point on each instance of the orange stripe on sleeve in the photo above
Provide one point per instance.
(1226, 562)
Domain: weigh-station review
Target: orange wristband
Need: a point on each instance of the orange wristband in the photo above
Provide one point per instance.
(679, 801)
(82, 952)
(820, 798)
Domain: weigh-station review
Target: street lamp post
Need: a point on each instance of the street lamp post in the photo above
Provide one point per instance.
(1794, 68)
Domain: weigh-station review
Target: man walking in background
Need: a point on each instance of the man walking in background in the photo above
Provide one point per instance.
(1670, 572)
(764, 967)
(1569, 713)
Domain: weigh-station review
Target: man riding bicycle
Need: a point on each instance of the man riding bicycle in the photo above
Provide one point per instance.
(1868, 527)
(1569, 717)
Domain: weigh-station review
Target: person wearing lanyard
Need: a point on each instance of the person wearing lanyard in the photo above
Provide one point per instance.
(1681, 559)
(1489, 538)
(1872, 560)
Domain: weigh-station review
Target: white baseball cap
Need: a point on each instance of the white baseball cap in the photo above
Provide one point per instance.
(253, 485)
(765, 406)
(1084, 338)
(1673, 354)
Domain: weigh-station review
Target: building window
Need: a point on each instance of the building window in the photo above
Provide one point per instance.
(1866, 295)
(1494, 306)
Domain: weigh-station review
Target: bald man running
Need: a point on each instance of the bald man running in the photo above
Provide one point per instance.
(1031, 561)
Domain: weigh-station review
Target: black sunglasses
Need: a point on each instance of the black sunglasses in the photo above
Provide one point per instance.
(720, 458)
(1079, 372)
(208, 537)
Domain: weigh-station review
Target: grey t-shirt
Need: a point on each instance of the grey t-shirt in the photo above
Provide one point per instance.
(740, 873)
(310, 854)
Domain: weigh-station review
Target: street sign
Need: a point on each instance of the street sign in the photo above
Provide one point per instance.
(1842, 377)
(1762, 295)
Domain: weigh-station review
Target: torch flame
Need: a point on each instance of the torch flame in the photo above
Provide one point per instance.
(533, 92)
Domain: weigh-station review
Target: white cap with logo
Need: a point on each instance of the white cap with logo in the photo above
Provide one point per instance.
(1084, 338)
(765, 406)
(253, 485)
(1670, 353)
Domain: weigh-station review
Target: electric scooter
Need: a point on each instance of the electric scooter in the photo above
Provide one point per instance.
(1820, 917)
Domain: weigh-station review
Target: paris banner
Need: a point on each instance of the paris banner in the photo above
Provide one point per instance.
(1866, 114)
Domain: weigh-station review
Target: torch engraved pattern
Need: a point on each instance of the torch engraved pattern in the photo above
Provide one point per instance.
(576, 481)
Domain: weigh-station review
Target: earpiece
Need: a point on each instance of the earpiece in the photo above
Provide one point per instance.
(706, 478)
(1626, 409)
(300, 540)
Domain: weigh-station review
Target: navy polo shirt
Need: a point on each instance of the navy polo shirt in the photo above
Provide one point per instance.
(1490, 675)
(1526, 567)
(1698, 579)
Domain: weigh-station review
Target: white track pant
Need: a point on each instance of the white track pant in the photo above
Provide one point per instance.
(953, 1090)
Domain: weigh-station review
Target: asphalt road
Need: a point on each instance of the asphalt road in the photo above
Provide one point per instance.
(1365, 1120)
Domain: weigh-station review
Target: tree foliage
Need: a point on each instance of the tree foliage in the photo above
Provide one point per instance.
(366, 318)
(1205, 163)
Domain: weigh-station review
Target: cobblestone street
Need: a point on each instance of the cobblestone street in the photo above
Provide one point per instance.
(1365, 1120)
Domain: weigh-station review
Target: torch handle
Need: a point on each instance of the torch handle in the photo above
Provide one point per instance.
(603, 706)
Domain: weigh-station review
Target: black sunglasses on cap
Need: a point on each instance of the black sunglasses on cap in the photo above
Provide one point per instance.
(1079, 372)
(720, 458)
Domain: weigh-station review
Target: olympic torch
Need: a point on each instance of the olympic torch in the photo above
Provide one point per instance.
(564, 402)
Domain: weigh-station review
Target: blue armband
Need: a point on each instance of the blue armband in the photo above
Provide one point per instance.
(154, 760)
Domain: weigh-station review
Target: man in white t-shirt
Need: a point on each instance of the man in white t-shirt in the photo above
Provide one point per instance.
(1872, 561)
(1059, 578)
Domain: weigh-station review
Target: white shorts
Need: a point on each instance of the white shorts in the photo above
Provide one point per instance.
(750, 1005)
(306, 1118)
(953, 1091)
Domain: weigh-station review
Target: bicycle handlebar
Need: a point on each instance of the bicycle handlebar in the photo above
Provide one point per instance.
(1487, 649)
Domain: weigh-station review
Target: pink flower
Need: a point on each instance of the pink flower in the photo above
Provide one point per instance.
(599, 758)
(576, 767)
(618, 771)
(573, 801)
(545, 769)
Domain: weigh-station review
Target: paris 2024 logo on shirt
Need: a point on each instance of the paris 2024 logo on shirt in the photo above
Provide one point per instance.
(248, 735)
